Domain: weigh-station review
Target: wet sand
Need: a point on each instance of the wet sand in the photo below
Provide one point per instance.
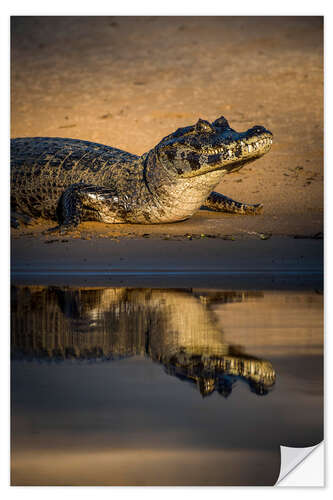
(129, 81)
(277, 263)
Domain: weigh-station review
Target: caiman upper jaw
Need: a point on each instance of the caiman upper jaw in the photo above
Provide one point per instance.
(230, 155)
(242, 146)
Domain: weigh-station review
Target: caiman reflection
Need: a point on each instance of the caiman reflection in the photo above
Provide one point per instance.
(175, 328)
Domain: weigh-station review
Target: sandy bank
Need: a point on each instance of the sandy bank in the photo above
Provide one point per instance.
(129, 81)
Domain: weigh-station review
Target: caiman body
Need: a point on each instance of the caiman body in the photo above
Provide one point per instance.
(71, 180)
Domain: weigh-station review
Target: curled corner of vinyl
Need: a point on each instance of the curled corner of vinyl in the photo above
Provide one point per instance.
(302, 466)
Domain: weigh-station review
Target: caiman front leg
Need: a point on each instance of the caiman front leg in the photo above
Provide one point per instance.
(221, 203)
(79, 198)
(16, 219)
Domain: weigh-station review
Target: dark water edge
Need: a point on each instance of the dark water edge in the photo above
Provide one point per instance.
(279, 263)
(300, 279)
(155, 386)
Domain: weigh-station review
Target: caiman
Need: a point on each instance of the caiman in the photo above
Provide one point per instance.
(71, 180)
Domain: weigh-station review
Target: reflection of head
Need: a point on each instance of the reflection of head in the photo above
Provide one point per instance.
(224, 386)
(173, 327)
(205, 385)
(259, 388)
(220, 373)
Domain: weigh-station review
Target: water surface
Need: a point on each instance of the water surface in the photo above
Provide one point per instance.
(130, 386)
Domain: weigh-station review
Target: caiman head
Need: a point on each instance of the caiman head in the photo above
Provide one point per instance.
(206, 147)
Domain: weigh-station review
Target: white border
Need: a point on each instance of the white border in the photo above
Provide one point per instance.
(142, 7)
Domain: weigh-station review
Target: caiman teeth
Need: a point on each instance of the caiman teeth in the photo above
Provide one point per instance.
(247, 147)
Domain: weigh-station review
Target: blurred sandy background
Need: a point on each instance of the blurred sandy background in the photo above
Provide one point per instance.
(129, 81)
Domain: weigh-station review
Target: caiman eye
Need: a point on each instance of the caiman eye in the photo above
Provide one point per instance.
(203, 126)
(221, 122)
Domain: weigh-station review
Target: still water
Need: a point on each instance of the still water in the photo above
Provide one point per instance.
(130, 386)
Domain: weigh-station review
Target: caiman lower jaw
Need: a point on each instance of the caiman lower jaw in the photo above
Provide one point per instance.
(206, 169)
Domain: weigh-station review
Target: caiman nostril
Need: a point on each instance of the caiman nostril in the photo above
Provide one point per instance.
(221, 123)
